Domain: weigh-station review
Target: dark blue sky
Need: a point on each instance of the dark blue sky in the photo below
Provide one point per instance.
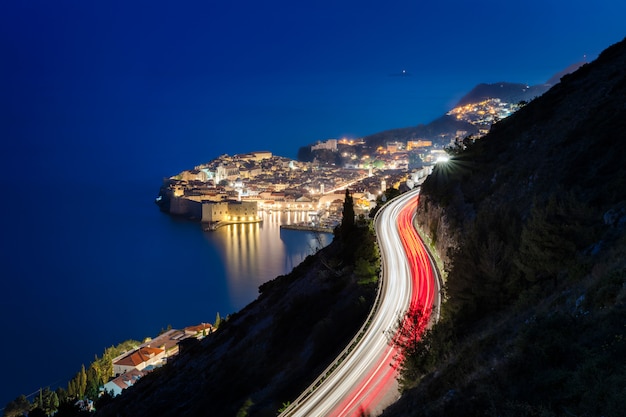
(122, 84)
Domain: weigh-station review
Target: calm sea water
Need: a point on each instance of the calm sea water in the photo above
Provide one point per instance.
(90, 266)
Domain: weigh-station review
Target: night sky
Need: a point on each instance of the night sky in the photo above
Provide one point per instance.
(116, 83)
(115, 95)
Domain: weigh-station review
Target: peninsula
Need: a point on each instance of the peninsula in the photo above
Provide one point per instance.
(243, 188)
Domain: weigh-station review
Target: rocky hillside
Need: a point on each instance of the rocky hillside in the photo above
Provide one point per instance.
(530, 222)
(443, 130)
(440, 131)
(505, 91)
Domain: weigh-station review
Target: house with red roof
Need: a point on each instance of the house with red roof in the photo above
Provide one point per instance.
(139, 359)
(123, 381)
(199, 331)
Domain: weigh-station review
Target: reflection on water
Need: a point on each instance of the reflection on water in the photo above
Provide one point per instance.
(256, 253)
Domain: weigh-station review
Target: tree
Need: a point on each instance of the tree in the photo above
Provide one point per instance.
(17, 407)
(72, 390)
(38, 401)
(421, 349)
(410, 328)
(93, 382)
(53, 403)
(82, 382)
(245, 408)
(347, 221)
(46, 403)
(555, 231)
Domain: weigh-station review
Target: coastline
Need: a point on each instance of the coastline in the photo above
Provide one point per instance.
(306, 228)
(212, 226)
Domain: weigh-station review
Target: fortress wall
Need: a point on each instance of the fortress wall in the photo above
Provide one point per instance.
(232, 211)
(213, 212)
(185, 207)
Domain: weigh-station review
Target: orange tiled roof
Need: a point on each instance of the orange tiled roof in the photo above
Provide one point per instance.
(139, 356)
(199, 328)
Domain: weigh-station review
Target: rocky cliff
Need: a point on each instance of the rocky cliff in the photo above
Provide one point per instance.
(531, 223)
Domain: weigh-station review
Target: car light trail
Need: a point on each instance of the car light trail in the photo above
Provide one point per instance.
(363, 374)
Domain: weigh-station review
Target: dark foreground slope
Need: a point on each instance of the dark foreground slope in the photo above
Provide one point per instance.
(266, 354)
(531, 223)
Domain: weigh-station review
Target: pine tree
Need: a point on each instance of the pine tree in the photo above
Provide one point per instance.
(72, 392)
(545, 247)
(39, 400)
(93, 383)
(53, 403)
(347, 221)
(82, 382)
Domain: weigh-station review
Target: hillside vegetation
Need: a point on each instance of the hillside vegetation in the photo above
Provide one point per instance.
(264, 356)
(530, 223)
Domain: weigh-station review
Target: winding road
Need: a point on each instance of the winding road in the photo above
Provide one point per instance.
(363, 379)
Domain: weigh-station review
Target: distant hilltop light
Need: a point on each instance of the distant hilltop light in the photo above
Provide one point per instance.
(402, 73)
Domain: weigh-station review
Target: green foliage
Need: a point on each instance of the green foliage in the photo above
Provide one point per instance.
(553, 236)
(481, 278)
(378, 164)
(46, 402)
(284, 407)
(389, 194)
(17, 407)
(500, 256)
(62, 394)
(367, 263)
(165, 330)
(569, 363)
(421, 348)
(245, 408)
(82, 382)
(87, 382)
(365, 271)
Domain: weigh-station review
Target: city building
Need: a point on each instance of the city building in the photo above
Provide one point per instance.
(138, 359)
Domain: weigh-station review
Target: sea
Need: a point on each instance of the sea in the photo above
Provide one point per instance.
(93, 265)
